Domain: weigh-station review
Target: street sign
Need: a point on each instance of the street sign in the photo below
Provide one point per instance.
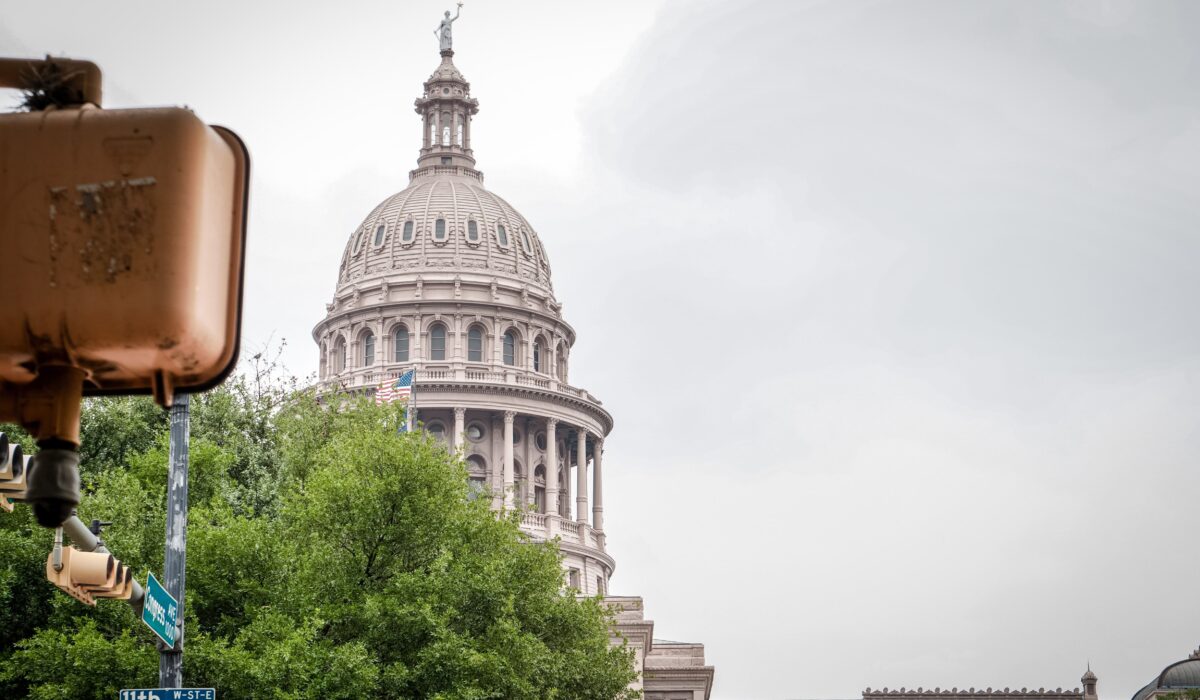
(159, 612)
(169, 694)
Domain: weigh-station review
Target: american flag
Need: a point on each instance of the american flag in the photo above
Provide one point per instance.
(395, 389)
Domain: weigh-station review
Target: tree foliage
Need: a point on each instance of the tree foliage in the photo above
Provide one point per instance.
(329, 556)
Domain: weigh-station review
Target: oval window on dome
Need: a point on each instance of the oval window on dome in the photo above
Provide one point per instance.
(379, 233)
(472, 230)
(407, 236)
(439, 230)
(502, 235)
(525, 242)
(359, 241)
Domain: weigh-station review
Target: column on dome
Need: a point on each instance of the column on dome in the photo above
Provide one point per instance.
(551, 467)
(581, 499)
(527, 477)
(460, 421)
(566, 469)
(457, 355)
(416, 349)
(597, 486)
(497, 463)
(496, 337)
(509, 416)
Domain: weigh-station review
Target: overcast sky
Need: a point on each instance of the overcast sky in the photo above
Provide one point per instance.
(893, 302)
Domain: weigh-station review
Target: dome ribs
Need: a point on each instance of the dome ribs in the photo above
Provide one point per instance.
(422, 232)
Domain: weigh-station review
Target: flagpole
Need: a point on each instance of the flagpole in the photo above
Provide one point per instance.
(410, 412)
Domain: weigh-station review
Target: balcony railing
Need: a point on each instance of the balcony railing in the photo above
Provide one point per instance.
(373, 376)
(547, 526)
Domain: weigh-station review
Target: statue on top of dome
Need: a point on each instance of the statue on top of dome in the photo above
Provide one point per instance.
(445, 39)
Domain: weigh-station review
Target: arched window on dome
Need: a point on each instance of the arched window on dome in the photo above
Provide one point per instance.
(407, 236)
(380, 230)
(439, 230)
(368, 349)
(437, 342)
(561, 369)
(472, 231)
(401, 344)
(358, 241)
(538, 352)
(339, 355)
(475, 344)
(477, 477)
(510, 348)
(525, 243)
(502, 235)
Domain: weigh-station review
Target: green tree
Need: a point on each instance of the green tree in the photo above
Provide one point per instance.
(329, 557)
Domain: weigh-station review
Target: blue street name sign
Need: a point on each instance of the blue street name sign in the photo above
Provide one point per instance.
(169, 694)
(159, 611)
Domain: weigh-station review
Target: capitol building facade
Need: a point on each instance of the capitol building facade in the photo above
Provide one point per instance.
(449, 280)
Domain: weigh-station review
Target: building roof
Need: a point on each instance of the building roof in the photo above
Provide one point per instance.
(1178, 676)
(971, 693)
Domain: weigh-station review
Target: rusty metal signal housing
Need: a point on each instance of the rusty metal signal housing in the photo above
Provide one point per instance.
(122, 244)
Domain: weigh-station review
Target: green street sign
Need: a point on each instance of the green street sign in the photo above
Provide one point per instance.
(159, 611)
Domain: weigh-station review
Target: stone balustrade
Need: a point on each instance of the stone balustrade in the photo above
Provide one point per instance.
(372, 376)
(547, 526)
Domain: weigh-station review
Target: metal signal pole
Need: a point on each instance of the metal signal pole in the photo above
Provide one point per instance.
(170, 662)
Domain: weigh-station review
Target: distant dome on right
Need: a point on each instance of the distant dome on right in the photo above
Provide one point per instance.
(1179, 676)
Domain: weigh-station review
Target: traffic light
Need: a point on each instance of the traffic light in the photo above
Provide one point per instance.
(87, 576)
(123, 236)
(14, 467)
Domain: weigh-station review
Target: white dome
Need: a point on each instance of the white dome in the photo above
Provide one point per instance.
(478, 232)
